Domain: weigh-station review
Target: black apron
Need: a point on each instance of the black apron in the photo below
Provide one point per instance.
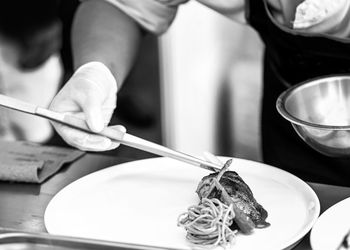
(290, 58)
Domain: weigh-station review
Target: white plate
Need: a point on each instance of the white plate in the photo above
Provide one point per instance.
(139, 202)
(331, 227)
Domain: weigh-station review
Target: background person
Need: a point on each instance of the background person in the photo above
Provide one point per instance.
(30, 65)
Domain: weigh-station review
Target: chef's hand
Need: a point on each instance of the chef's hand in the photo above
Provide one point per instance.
(323, 17)
(90, 94)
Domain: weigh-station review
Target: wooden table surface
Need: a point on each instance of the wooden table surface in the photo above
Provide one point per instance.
(22, 206)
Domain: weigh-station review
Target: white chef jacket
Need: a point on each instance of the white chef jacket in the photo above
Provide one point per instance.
(157, 15)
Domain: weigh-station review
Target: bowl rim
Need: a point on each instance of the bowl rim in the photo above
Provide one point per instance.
(288, 116)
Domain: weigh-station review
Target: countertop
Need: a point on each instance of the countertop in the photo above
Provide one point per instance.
(22, 206)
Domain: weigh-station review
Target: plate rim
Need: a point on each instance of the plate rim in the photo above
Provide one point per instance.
(326, 214)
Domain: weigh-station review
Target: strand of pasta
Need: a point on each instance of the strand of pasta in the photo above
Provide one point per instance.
(208, 223)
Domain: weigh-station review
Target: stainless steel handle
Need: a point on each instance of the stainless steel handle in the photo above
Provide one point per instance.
(139, 143)
(128, 140)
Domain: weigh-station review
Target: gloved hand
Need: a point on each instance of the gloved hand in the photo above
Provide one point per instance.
(323, 16)
(90, 94)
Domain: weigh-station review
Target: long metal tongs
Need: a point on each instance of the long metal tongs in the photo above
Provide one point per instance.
(128, 139)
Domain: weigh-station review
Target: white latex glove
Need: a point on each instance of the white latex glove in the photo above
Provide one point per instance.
(90, 94)
(323, 16)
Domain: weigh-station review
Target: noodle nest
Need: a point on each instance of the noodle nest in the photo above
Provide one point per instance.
(208, 223)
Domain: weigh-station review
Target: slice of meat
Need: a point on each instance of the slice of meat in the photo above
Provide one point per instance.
(241, 195)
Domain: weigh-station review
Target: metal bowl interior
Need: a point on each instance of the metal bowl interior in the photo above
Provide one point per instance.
(319, 111)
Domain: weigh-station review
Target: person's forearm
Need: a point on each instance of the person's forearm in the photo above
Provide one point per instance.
(103, 33)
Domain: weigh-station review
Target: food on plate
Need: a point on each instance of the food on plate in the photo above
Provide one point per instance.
(227, 206)
(345, 244)
(240, 193)
(208, 223)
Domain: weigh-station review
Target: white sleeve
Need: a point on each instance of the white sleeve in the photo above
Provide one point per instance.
(153, 15)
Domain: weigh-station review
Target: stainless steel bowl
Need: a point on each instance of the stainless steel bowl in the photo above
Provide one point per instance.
(319, 111)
